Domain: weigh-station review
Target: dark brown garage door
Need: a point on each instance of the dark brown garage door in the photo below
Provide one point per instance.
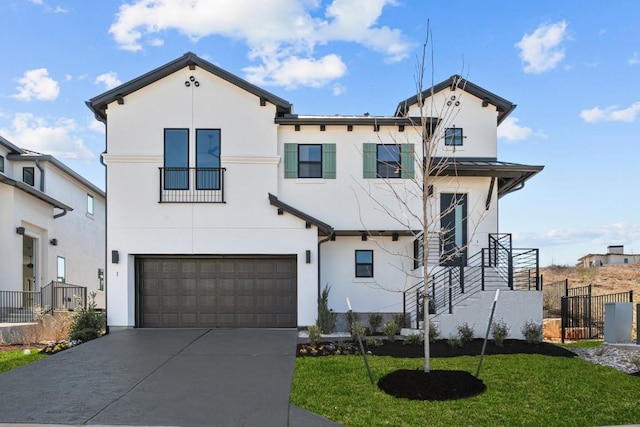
(215, 292)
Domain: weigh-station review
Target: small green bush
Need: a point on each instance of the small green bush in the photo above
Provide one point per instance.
(326, 318)
(465, 332)
(352, 319)
(532, 332)
(413, 339)
(454, 341)
(434, 332)
(374, 342)
(389, 329)
(87, 323)
(314, 334)
(499, 332)
(400, 320)
(375, 320)
(357, 328)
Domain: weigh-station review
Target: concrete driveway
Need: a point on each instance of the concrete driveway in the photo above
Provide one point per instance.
(161, 377)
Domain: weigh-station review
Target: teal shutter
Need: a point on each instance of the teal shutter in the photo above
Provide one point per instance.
(407, 161)
(329, 161)
(290, 160)
(369, 157)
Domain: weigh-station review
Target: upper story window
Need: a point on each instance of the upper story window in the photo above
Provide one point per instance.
(453, 136)
(364, 263)
(28, 176)
(207, 159)
(388, 161)
(310, 161)
(1, 164)
(176, 159)
(89, 204)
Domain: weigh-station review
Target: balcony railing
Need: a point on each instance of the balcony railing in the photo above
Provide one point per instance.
(192, 185)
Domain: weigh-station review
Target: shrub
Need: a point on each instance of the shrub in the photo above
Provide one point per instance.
(434, 332)
(389, 329)
(499, 332)
(326, 318)
(314, 334)
(465, 332)
(87, 322)
(374, 342)
(413, 339)
(400, 320)
(357, 328)
(352, 319)
(532, 332)
(375, 320)
(454, 341)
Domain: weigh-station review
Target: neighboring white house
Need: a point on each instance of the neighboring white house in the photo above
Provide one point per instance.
(54, 227)
(226, 209)
(615, 255)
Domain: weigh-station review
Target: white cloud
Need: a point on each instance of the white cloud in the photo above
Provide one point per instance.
(278, 33)
(338, 89)
(96, 126)
(36, 84)
(611, 114)
(57, 139)
(542, 51)
(596, 236)
(634, 59)
(35, 1)
(110, 80)
(60, 9)
(510, 130)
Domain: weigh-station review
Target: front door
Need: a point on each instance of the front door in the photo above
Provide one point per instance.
(453, 229)
(28, 269)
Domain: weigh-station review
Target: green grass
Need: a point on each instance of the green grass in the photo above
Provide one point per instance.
(582, 344)
(522, 390)
(12, 359)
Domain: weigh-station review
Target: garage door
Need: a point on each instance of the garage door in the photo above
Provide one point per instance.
(215, 292)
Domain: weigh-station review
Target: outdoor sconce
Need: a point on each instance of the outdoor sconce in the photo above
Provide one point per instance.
(54, 242)
(308, 257)
(20, 230)
(364, 237)
(394, 237)
(115, 257)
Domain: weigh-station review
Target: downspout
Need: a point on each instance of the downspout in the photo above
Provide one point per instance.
(41, 175)
(106, 282)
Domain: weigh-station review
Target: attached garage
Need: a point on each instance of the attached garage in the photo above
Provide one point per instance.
(216, 292)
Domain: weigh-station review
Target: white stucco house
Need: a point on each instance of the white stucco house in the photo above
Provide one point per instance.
(226, 209)
(615, 255)
(54, 232)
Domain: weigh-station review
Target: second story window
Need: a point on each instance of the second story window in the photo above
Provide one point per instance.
(364, 263)
(89, 204)
(453, 136)
(1, 164)
(207, 159)
(310, 161)
(28, 176)
(176, 159)
(388, 161)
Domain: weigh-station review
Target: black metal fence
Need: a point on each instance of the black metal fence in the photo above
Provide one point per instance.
(27, 306)
(582, 314)
(552, 294)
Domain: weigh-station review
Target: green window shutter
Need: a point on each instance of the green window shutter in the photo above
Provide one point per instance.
(329, 161)
(407, 161)
(369, 168)
(290, 160)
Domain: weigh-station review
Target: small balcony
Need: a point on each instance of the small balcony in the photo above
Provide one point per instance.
(192, 185)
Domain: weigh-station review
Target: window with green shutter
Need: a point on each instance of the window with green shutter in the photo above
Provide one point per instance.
(388, 161)
(310, 161)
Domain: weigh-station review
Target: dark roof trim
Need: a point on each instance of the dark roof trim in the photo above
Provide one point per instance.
(322, 227)
(35, 193)
(375, 233)
(10, 146)
(64, 168)
(99, 103)
(291, 119)
(503, 106)
(511, 176)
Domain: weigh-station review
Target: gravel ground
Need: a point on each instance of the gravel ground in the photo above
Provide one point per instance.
(625, 358)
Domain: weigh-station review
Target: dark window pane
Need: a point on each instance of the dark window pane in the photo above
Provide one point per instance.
(453, 136)
(1, 164)
(310, 161)
(176, 159)
(363, 271)
(208, 159)
(388, 161)
(28, 176)
(364, 257)
(364, 263)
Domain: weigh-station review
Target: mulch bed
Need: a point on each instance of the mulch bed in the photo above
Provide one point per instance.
(434, 385)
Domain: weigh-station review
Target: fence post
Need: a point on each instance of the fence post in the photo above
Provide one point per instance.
(461, 278)
(404, 303)
(589, 318)
(482, 269)
(566, 287)
(450, 293)
(433, 291)
(538, 279)
(419, 300)
(563, 316)
(510, 270)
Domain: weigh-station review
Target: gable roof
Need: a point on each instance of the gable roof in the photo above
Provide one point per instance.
(99, 103)
(503, 106)
(10, 146)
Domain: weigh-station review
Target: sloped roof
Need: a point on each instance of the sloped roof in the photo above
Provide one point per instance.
(503, 106)
(10, 146)
(99, 103)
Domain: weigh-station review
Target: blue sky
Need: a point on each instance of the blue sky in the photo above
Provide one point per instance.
(571, 66)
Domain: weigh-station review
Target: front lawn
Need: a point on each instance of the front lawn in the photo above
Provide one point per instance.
(12, 359)
(523, 389)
